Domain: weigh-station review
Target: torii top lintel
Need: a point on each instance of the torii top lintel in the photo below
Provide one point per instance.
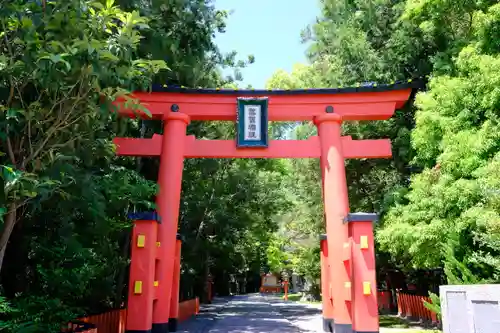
(374, 102)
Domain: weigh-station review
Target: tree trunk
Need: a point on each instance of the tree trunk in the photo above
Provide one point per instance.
(10, 222)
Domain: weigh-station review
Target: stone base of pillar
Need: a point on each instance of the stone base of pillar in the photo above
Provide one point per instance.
(342, 328)
(160, 328)
(172, 324)
(328, 325)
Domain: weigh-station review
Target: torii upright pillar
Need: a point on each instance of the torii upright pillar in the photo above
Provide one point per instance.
(354, 286)
(168, 202)
(336, 205)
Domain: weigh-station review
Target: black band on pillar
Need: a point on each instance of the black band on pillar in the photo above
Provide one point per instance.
(328, 325)
(147, 216)
(160, 328)
(323, 237)
(342, 328)
(361, 217)
(172, 324)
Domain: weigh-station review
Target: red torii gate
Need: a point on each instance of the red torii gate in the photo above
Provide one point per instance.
(353, 286)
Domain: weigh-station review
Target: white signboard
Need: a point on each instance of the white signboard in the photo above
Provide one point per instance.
(252, 114)
(470, 308)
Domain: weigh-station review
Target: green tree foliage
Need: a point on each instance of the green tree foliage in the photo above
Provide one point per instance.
(301, 226)
(434, 305)
(227, 214)
(64, 237)
(64, 200)
(439, 189)
(454, 198)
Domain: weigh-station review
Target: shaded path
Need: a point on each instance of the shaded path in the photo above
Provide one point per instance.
(254, 314)
(264, 314)
(307, 317)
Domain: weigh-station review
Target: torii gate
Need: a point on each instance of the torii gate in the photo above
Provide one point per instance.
(353, 286)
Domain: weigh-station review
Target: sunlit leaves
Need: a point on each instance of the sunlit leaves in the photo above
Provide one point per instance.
(454, 203)
(58, 63)
(456, 134)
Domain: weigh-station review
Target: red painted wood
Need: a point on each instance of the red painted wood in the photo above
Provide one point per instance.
(384, 300)
(365, 307)
(351, 106)
(168, 203)
(277, 148)
(142, 268)
(114, 320)
(108, 322)
(187, 309)
(336, 206)
(412, 306)
(326, 297)
(176, 282)
(138, 147)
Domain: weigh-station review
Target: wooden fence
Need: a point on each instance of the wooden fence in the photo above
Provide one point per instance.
(188, 308)
(114, 321)
(385, 301)
(108, 322)
(412, 307)
(409, 306)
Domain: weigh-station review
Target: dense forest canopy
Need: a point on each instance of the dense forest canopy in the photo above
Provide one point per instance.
(64, 239)
(438, 195)
(64, 244)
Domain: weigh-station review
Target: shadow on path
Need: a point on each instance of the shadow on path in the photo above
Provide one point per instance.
(254, 314)
(206, 318)
(306, 317)
(296, 311)
(251, 314)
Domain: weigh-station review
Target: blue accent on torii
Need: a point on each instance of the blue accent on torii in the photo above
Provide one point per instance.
(146, 216)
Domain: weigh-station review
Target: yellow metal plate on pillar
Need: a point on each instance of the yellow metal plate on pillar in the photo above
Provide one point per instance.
(346, 252)
(138, 287)
(141, 240)
(158, 244)
(156, 283)
(363, 242)
(347, 291)
(367, 288)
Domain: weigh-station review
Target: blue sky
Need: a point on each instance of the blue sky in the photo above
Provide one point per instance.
(268, 29)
